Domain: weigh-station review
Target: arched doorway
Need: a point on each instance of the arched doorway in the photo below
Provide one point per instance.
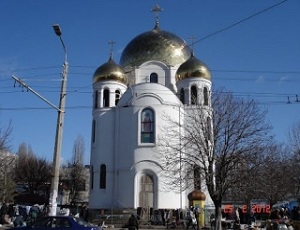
(146, 196)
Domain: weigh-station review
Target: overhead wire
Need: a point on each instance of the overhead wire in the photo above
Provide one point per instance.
(77, 90)
(239, 22)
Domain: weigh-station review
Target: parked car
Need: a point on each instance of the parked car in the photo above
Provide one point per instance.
(59, 223)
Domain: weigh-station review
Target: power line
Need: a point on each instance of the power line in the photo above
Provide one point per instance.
(30, 69)
(239, 22)
(210, 35)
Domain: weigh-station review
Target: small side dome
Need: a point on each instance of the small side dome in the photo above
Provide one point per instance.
(196, 195)
(193, 68)
(110, 71)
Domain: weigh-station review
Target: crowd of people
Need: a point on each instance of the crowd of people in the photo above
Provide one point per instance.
(18, 215)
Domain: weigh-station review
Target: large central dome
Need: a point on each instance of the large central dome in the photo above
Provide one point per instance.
(155, 45)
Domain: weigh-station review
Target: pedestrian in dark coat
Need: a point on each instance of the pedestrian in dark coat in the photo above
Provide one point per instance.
(133, 223)
(84, 213)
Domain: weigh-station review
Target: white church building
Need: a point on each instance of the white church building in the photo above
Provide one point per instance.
(157, 75)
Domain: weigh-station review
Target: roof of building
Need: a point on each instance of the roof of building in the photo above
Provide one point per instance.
(156, 45)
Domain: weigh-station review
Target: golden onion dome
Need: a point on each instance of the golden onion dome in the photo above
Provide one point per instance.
(110, 71)
(192, 68)
(155, 45)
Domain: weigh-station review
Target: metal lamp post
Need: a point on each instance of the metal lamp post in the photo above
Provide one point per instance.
(59, 130)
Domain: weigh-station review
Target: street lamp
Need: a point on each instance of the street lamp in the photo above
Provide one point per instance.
(59, 130)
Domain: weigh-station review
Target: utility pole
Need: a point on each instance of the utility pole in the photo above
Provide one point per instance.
(59, 130)
(59, 126)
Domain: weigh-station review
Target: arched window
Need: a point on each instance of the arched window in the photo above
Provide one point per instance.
(103, 176)
(194, 95)
(205, 96)
(147, 126)
(153, 78)
(95, 99)
(117, 96)
(94, 131)
(182, 95)
(106, 98)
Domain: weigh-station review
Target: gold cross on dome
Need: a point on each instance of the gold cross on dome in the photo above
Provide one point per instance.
(111, 43)
(192, 39)
(156, 9)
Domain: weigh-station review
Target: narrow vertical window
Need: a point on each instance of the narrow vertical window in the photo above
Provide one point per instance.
(182, 95)
(103, 176)
(153, 78)
(95, 99)
(92, 176)
(209, 129)
(106, 98)
(117, 96)
(205, 96)
(147, 126)
(194, 96)
(94, 131)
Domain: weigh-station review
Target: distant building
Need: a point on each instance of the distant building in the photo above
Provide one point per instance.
(158, 75)
(7, 185)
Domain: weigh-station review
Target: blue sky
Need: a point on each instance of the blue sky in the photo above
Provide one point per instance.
(252, 51)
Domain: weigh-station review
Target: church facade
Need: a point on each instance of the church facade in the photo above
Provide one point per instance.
(157, 76)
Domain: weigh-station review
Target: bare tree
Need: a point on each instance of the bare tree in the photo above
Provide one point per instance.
(32, 172)
(267, 177)
(7, 163)
(294, 163)
(216, 143)
(78, 151)
(294, 138)
(5, 133)
(74, 173)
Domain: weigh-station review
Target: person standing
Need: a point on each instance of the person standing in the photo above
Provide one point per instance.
(237, 216)
(84, 213)
(133, 223)
(4, 214)
(191, 219)
(34, 213)
(212, 221)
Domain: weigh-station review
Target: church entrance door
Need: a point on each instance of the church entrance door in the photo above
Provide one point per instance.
(146, 195)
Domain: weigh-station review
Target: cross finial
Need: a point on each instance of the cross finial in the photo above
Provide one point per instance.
(111, 43)
(156, 9)
(192, 39)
